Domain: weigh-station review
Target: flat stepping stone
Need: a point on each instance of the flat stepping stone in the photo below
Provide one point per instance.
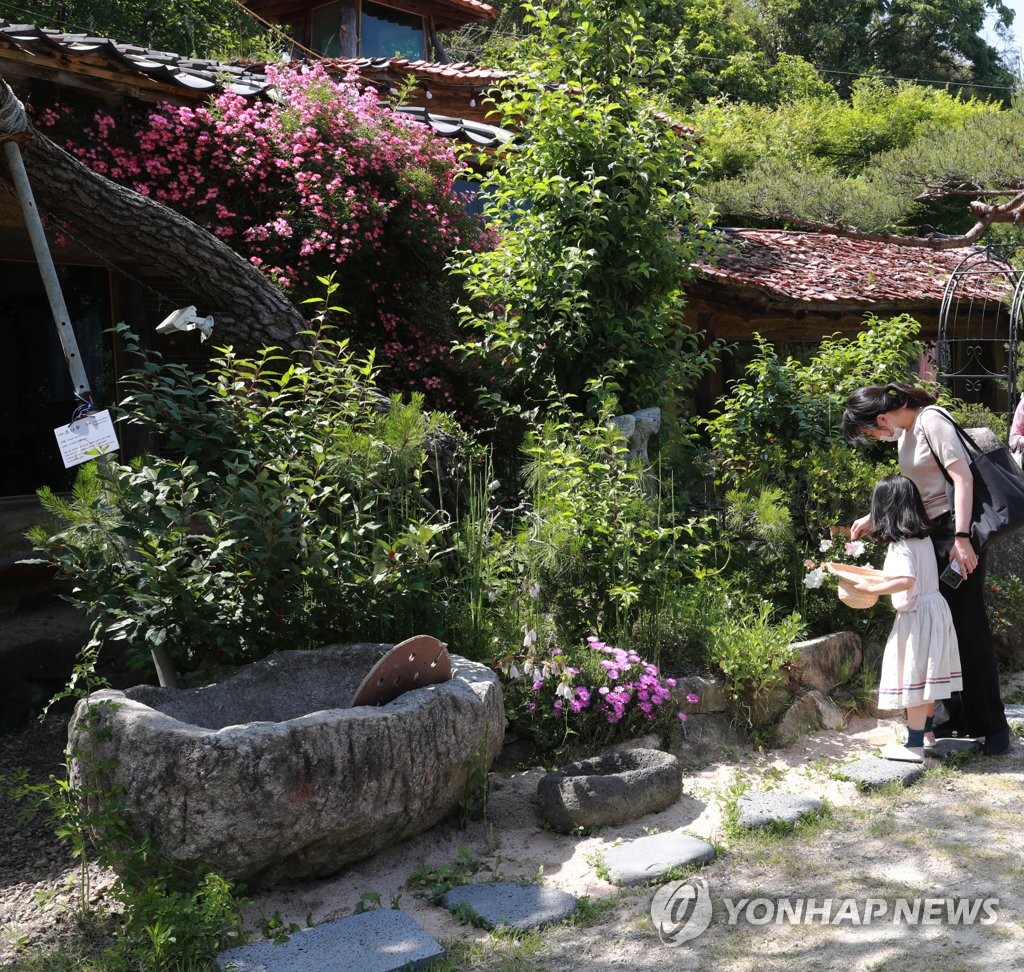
(647, 859)
(512, 905)
(1014, 713)
(873, 771)
(764, 809)
(383, 940)
(952, 746)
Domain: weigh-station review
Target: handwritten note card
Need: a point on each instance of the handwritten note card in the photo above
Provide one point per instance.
(86, 438)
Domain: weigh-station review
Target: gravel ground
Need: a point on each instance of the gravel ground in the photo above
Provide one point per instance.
(956, 833)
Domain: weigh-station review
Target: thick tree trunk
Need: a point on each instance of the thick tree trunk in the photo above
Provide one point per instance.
(248, 309)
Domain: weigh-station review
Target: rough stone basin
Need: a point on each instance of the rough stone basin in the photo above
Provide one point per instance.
(618, 786)
(270, 775)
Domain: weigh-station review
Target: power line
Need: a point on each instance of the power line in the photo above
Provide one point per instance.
(518, 36)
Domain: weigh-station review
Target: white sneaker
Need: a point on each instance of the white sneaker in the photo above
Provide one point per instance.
(903, 754)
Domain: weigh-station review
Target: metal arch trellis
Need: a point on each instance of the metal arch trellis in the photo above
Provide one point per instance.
(978, 357)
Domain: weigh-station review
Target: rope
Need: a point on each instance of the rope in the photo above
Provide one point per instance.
(13, 119)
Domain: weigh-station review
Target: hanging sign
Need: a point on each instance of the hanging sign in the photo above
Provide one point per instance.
(86, 438)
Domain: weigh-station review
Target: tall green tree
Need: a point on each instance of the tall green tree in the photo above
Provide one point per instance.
(200, 28)
(912, 39)
(592, 208)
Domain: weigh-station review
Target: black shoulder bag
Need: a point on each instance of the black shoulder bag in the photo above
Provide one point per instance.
(998, 487)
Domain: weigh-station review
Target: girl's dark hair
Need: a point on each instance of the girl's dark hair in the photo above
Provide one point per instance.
(897, 512)
(865, 405)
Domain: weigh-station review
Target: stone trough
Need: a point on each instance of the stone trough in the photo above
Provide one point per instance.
(610, 789)
(272, 775)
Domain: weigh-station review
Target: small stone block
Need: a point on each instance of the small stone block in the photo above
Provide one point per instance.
(762, 809)
(873, 771)
(383, 940)
(1014, 713)
(647, 859)
(505, 903)
(952, 746)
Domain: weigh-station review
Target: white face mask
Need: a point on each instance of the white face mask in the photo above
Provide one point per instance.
(888, 437)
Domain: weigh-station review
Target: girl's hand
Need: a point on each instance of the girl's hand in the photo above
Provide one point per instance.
(963, 553)
(860, 527)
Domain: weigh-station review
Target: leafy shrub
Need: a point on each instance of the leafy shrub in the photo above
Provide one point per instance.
(171, 918)
(598, 546)
(752, 648)
(1005, 597)
(785, 473)
(593, 211)
(289, 509)
(587, 697)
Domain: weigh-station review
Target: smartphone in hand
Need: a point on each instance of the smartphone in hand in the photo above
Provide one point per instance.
(951, 576)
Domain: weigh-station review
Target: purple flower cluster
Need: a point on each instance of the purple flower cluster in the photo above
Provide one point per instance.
(623, 690)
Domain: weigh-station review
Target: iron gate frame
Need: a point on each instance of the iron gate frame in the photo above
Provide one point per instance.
(985, 261)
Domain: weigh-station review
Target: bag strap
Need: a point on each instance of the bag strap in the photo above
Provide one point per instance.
(965, 440)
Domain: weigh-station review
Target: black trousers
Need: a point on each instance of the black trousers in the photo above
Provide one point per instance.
(978, 710)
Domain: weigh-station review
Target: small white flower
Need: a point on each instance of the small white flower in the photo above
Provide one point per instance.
(492, 596)
(564, 691)
(529, 637)
(513, 672)
(533, 589)
(855, 548)
(493, 485)
(545, 671)
(814, 579)
(825, 546)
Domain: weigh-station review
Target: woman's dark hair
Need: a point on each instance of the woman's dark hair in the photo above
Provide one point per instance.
(865, 405)
(897, 512)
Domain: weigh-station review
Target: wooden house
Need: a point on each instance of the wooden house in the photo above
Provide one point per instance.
(794, 288)
(42, 64)
(390, 45)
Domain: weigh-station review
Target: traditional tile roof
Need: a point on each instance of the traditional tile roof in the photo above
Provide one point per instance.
(455, 74)
(461, 129)
(101, 64)
(40, 52)
(454, 89)
(822, 269)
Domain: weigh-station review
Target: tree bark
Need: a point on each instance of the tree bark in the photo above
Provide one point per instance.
(249, 311)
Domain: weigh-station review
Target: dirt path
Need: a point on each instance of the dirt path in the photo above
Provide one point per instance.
(955, 834)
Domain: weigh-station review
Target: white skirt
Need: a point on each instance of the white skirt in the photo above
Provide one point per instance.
(922, 660)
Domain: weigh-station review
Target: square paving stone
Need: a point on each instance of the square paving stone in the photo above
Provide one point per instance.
(383, 940)
(512, 905)
(762, 809)
(873, 771)
(648, 858)
(953, 746)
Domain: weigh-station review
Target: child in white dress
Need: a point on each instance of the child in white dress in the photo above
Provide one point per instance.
(921, 665)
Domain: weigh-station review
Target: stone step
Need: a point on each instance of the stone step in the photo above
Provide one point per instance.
(511, 905)
(648, 859)
(769, 807)
(871, 772)
(383, 940)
